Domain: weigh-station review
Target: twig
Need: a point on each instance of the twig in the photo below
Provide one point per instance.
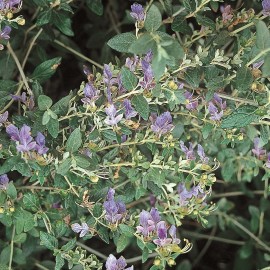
(11, 249)
(139, 258)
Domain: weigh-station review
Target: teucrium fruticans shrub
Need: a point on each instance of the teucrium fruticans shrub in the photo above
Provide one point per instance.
(133, 153)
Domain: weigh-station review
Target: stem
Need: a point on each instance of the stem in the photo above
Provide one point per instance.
(91, 250)
(249, 233)
(265, 195)
(11, 249)
(14, 56)
(198, 9)
(236, 193)
(78, 54)
(38, 265)
(40, 188)
(139, 258)
(71, 187)
(258, 56)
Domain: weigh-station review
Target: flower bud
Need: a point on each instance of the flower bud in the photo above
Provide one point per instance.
(21, 21)
(240, 137)
(9, 15)
(94, 178)
(172, 85)
(171, 262)
(11, 209)
(157, 262)
(2, 210)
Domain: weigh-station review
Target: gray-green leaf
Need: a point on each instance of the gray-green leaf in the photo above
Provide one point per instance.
(141, 106)
(74, 141)
(122, 42)
(153, 19)
(129, 80)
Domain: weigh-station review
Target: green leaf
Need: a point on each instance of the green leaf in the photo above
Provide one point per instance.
(53, 127)
(74, 141)
(59, 262)
(122, 42)
(104, 234)
(64, 167)
(63, 23)
(44, 17)
(255, 218)
(122, 243)
(143, 44)
(243, 79)
(153, 19)
(11, 191)
(44, 102)
(20, 238)
(31, 202)
(145, 254)
(69, 245)
(95, 6)
(61, 106)
(193, 77)
(205, 21)
(127, 230)
(45, 118)
(82, 161)
(129, 80)
(46, 69)
(266, 66)
(263, 36)
(189, 5)
(241, 117)
(48, 241)
(141, 106)
(180, 25)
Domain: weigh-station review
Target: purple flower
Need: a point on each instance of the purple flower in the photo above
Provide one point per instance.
(191, 104)
(114, 210)
(82, 229)
(129, 111)
(257, 65)
(137, 12)
(266, 7)
(258, 151)
(189, 152)
(162, 235)
(22, 136)
(90, 94)
(219, 102)
(184, 194)
(162, 124)
(152, 200)
(29, 102)
(172, 233)
(121, 88)
(132, 63)
(111, 118)
(40, 144)
(267, 164)
(226, 13)
(148, 76)
(149, 56)
(3, 118)
(4, 34)
(9, 4)
(113, 264)
(202, 155)
(3, 181)
(215, 115)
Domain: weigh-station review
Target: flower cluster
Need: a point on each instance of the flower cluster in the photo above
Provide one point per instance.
(24, 140)
(259, 152)
(162, 124)
(216, 108)
(3, 118)
(137, 12)
(4, 34)
(266, 7)
(4, 181)
(115, 211)
(117, 264)
(190, 154)
(81, 229)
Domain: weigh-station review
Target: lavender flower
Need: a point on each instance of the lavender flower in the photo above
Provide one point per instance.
(258, 151)
(215, 115)
(162, 235)
(117, 264)
(132, 63)
(90, 94)
(137, 12)
(107, 78)
(266, 7)
(219, 102)
(191, 104)
(111, 118)
(172, 233)
(149, 56)
(3, 181)
(162, 124)
(129, 111)
(257, 65)
(184, 194)
(148, 76)
(82, 229)
(3, 118)
(9, 4)
(4, 34)
(40, 144)
(202, 155)
(226, 13)
(189, 152)
(29, 102)
(114, 210)
(121, 88)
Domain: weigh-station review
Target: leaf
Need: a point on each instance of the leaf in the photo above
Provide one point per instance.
(48, 241)
(141, 106)
(44, 102)
(63, 23)
(143, 44)
(61, 106)
(266, 66)
(190, 5)
(11, 191)
(193, 77)
(59, 262)
(153, 19)
(53, 127)
(241, 117)
(44, 17)
(145, 254)
(74, 141)
(64, 167)
(46, 69)
(127, 230)
(122, 42)
(180, 25)
(20, 238)
(31, 202)
(95, 6)
(129, 80)
(205, 21)
(122, 243)
(69, 245)
(104, 234)
(243, 79)
(263, 36)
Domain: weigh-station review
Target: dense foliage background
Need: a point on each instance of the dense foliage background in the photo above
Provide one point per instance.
(205, 82)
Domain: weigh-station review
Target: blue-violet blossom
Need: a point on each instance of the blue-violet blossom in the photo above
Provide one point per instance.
(148, 76)
(258, 151)
(129, 111)
(82, 229)
(189, 152)
(137, 12)
(4, 181)
(266, 7)
(117, 264)
(3, 118)
(90, 94)
(162, 124)
(111, 118)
